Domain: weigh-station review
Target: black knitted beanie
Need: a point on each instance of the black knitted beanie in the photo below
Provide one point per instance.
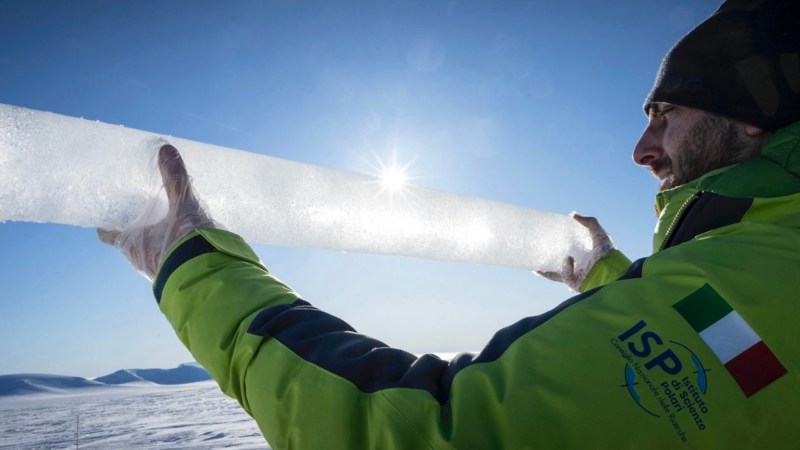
(743, 62)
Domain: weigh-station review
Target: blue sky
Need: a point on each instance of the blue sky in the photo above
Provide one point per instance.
(534, 103)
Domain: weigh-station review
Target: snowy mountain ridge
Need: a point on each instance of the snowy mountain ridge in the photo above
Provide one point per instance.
(25, 384)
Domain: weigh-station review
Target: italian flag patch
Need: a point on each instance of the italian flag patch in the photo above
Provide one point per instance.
(748, 359)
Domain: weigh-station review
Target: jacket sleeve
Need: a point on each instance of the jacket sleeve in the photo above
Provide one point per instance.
(615, 367)
(605, 270)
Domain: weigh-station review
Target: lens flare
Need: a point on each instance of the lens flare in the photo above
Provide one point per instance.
(394, 178)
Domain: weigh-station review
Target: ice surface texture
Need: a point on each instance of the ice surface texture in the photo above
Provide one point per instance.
(61, 169)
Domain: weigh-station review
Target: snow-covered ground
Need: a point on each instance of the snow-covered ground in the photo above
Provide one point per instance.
(133, 416)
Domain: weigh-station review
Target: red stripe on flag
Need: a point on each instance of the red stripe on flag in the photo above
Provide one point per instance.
(755, 368)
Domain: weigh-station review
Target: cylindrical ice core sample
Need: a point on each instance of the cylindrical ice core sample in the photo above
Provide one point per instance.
(60, 169)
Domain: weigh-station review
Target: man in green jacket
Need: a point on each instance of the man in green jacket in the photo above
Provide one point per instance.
(692, 346)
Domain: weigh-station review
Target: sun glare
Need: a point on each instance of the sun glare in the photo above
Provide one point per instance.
(393, 178)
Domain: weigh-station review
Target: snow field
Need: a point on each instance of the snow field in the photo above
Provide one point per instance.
(196, 416)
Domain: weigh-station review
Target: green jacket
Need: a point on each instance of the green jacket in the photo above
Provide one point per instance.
(691, 347)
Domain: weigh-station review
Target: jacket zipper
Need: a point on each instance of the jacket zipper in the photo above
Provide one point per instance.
(678, 216)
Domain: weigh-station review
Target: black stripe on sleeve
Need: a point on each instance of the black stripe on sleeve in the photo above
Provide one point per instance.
(634, 271)
(192, 248)
(371, 365)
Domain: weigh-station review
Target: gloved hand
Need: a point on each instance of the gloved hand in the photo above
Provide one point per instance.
(601, 246)
(146, 246)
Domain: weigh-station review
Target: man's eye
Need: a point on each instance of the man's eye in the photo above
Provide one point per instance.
(661, 113)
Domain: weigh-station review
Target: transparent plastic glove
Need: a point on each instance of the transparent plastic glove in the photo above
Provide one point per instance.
(601, 246)
(146, 245)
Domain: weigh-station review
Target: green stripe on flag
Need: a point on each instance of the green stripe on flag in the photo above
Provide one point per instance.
(702, 308)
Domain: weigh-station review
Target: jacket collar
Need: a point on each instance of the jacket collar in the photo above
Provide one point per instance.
(775, 173)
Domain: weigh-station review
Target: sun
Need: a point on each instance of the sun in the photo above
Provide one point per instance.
(393, 178)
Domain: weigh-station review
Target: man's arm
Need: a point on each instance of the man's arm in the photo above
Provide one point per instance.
(306, 377)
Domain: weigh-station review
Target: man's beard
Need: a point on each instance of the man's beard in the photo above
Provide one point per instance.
(712, 143)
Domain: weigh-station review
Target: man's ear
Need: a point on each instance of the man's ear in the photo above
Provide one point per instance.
(753, 131)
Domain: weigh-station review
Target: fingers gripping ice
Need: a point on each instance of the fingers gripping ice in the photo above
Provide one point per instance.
(66, 170)
(572, 274)
(146, 243)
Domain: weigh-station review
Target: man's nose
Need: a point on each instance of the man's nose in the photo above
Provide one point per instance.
(649, 148)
